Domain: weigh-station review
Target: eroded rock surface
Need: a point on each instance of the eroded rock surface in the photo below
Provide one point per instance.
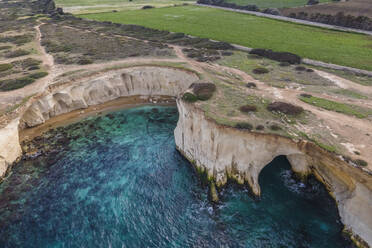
(142, 81)
(10, 148)
(136, 81)
(225, 152)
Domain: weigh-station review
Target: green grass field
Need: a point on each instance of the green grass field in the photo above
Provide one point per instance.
(98, 6)
(72, 3)
(274, 3)
(339, 107)
(341, 48)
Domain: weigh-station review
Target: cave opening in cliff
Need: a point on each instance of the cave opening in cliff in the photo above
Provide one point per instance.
(117, 180)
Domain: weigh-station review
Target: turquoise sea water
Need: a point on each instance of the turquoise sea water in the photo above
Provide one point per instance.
(118, 181)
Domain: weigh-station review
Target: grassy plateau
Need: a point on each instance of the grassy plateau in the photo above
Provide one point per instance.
(339, 107)
(349, 49)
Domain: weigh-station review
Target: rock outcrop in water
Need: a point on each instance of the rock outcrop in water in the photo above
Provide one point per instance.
(225, 152)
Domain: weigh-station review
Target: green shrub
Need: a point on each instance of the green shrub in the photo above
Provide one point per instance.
(38, 75)
(53, 47)
(300, 68)
(17, 53)
(12, 84)
(195, 54)
(26, 63)
(5, 47)
(208, 44)
(244, 125)
(226, 53)
(278, 56)
(360, 162)
(30, 62)
(203, 91)
(85, 61)
(189, 97)
(275, 127)
(285, 108)
(5, 67)
(260, 127)
(248, 108)
(306, 95)
(148, 7)
(18, 39)
(260, 70)
(251, 85)
(33, 68)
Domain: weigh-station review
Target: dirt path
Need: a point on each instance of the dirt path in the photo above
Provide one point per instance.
(39, 85)
(108, 64)
(344, 83)
(197, 66)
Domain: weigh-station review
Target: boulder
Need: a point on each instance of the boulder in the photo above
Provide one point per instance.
(312, 2)
(271, 11)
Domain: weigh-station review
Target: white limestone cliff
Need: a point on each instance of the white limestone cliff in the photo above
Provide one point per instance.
(10, 148)
(135, 81)
(224, 152)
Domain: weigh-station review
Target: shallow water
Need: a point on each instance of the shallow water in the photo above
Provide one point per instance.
(119, 182)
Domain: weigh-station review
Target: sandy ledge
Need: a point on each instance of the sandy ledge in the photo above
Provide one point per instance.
(28, 134)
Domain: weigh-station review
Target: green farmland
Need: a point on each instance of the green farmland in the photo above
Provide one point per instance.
(341, 48)
(98, 3)
(274, 3)
(98, 6)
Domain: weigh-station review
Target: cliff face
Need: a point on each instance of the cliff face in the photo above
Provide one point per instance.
(136, 81)
(225, 152)
(10, 149)
(142, 81)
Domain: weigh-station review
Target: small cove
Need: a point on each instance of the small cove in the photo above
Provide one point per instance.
(117, 181)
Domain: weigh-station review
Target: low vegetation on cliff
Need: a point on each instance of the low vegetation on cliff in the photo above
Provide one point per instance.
(343, 108)
(20, 73)
(201, 91)
(75, 46)
(285, 108)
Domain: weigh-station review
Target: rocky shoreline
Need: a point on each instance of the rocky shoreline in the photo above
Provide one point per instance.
(221, 152)
(225, 153)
